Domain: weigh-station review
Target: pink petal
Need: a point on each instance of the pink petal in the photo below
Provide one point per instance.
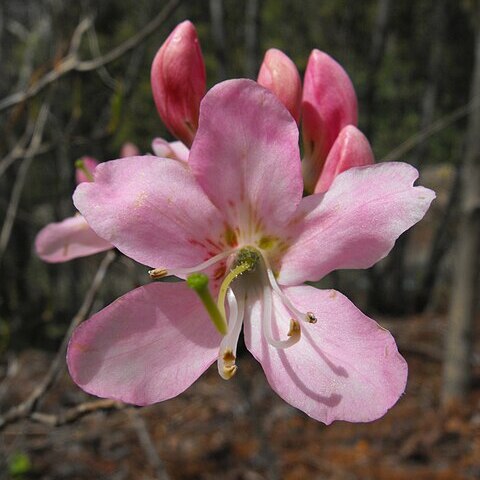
(351, 149)
(345, 367)
(152, 210)
(68, 239)
(176, 150)
(129, 150)
(329, 103)
(147, 346)
(356, 222)
(245, 155)
(280, 75)
(179, 81)
(90, 164)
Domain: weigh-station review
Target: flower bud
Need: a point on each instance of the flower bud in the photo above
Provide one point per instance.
(280, 75)
(329, 103)
(129, 150)
(351, 149)
(179, 81)
(84, 168)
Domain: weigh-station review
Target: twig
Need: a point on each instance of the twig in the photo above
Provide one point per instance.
(444, 122)
(147, 444)
(71, 62)
(21, 178)
(18, 151)
(75, 413)
(26, 408)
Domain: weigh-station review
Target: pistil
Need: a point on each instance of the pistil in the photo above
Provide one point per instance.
(199, 283)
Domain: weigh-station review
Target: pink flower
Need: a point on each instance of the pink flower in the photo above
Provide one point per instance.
(178, 81)
(235, 212)
(73, 238)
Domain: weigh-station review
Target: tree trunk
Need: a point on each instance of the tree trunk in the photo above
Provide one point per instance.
(464, 302)
(218, 32)
(379, 40)
(401, 302)
(251, 38)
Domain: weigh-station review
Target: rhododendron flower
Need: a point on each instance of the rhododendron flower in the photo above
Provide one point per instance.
(235, 215)
(73, 238)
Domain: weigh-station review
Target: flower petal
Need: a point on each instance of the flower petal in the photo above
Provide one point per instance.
(176, 150)
(152, 210)
(68, 239)
(147, 346)
(345, 367)
(245, 155)
(356, 222)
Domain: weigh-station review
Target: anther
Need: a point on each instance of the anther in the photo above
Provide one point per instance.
(229, 368)
(158, 273)
(294, 328)
(229, 372)
(311, 317)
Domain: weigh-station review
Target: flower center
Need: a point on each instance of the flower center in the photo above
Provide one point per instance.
(258, 280)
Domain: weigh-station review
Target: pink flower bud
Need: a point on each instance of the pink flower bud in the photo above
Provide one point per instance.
(351, 149)
(179, 81)
(280, 75)
(129, 150)
(84, 169)
(329, 103)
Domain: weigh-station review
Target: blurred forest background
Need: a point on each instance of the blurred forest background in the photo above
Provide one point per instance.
(76, 81)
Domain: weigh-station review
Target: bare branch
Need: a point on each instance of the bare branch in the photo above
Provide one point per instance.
(442, 123)
(71, 62)
(75, 413)
(26, 408)
(146, 442)
(21, 178)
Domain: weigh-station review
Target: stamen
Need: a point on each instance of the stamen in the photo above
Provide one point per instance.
(308, 317)
(199, 283)
(228, 347)
(294, 328)
(182, 272)
(158, 273)
(294, 332)
(80, 165)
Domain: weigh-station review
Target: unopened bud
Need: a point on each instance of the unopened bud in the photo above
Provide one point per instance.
(329, 103)
(280, 75)
(179, 81)
(351, 149)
